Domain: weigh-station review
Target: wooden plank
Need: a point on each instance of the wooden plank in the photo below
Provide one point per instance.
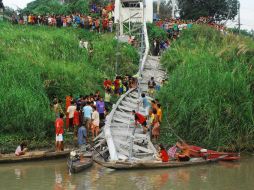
(123, 114)
(135, 147)
(125, 108)
(126, 121)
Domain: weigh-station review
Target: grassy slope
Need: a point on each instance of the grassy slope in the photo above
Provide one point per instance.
(39, 62)
(210, 89)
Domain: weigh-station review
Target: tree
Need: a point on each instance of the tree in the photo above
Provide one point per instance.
(43, 7)
(1, 4)
(56, 7)
(218, 9)
(165, 9)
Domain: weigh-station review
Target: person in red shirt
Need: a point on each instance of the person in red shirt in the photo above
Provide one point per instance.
(105, 24)
(117, 85)
(139, 118)
(163, 155)
(107, 84)
(59, 126)
(76, 121)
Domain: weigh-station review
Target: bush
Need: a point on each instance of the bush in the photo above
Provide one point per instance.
(210, 88)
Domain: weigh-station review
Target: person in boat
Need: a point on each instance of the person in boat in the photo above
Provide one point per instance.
(139, 118)
(163, 155)
(184, 155)
(82, 138)
(21, 149)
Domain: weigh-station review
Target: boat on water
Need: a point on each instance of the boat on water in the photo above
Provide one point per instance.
(153, 164)
(33, 156)
(78, 166)
(75, 165)
(197, 151)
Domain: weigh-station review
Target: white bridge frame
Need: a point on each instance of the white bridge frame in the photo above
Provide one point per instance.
(135, 18)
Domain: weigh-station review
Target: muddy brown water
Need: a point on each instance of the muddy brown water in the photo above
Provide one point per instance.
(47, 175)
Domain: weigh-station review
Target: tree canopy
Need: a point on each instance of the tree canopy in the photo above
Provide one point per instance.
(219, 9)
(165, 9)
(55, 7)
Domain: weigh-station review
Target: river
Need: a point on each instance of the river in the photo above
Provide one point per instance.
(47, 175)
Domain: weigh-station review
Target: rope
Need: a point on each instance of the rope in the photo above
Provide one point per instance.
(173, 131)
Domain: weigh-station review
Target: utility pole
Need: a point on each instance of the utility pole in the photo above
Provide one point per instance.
(158, 7)
(117, 47)
(239, 18)
(173, 8)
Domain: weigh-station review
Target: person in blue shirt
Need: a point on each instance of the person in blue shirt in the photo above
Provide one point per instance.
(87, 111)
(77, 19)
(145, 103)
(82, 137)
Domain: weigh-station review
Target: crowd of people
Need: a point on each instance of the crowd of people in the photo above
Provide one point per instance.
(85, 115)
(174, 27)
(100, 19)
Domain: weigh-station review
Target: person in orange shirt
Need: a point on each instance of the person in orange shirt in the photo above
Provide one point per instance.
(185, 151)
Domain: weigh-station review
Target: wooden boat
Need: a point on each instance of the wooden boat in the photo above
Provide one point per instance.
(77, 166)
(152, 164)
(211, 154)
(32, 156)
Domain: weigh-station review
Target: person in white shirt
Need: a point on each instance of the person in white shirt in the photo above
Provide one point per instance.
(70, 110)
(21, 149)
(95, 122)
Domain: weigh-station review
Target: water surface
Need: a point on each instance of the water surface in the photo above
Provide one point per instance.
(47, 175)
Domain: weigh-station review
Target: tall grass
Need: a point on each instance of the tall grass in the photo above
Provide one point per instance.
(37, 63)
(210, 89)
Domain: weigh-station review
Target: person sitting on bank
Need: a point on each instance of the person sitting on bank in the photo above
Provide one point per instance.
(139, 118)
(82, 137)
(21, 149)
(184, 155)
(163, 155)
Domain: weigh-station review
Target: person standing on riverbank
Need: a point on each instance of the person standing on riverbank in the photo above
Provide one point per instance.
(101, 108)
(87, 111)
(95, 122)
(59, 126)
(70, 110)
(76, 121)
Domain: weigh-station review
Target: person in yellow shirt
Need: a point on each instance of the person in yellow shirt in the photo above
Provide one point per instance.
(159, 112)
(30, 19)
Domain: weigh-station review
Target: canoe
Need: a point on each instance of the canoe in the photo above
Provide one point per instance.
(77, 166)
(152, 164)
(195, 151)
(33, 155)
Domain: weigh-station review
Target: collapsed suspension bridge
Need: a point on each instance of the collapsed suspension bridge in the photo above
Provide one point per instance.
(119, 139)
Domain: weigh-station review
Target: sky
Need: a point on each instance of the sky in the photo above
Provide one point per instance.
(247, 10)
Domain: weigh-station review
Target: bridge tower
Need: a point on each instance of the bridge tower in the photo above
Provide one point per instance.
(131, 14)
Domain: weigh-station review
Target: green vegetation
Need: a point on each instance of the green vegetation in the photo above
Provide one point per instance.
(37, 63)
(155, 32)
(210, 91)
